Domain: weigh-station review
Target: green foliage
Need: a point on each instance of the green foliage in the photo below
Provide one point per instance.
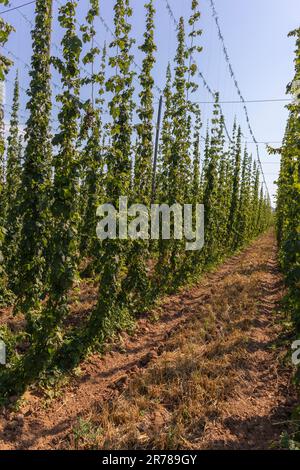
(176, 153)
(144, 150)
(180, 162)
(162, 185)
(288, 210)
(12, 193)
(136, 284)
(5, 30)
(64, 238)
(5, 63)
(193, 35)
(36, 183)
(211, 203)
(244, 222)
(92, 158)
(233, 219)
(196, 193)
(118, 177)
(49, 204)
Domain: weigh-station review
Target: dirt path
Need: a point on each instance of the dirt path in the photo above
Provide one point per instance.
(239, 386)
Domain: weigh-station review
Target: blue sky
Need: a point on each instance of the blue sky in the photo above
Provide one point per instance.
(255, 32)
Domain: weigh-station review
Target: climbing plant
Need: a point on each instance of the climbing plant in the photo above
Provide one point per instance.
(63, 245)
(92, 188)
(13, 218)
(102, 149)
(136, 285)
(5, 64)
(118, 177)
(36, 176)
(288, 210)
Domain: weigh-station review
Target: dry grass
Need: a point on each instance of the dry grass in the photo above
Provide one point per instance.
(181, 401)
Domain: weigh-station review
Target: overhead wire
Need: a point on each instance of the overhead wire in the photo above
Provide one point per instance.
(236, 84)
(199, 73)
(17, 7)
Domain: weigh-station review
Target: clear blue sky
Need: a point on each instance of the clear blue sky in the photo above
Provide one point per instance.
(255, 33)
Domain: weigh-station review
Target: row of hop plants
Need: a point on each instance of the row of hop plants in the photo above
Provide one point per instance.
(288, 218)
(288, 194)
(50, 191)
(5, 64)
